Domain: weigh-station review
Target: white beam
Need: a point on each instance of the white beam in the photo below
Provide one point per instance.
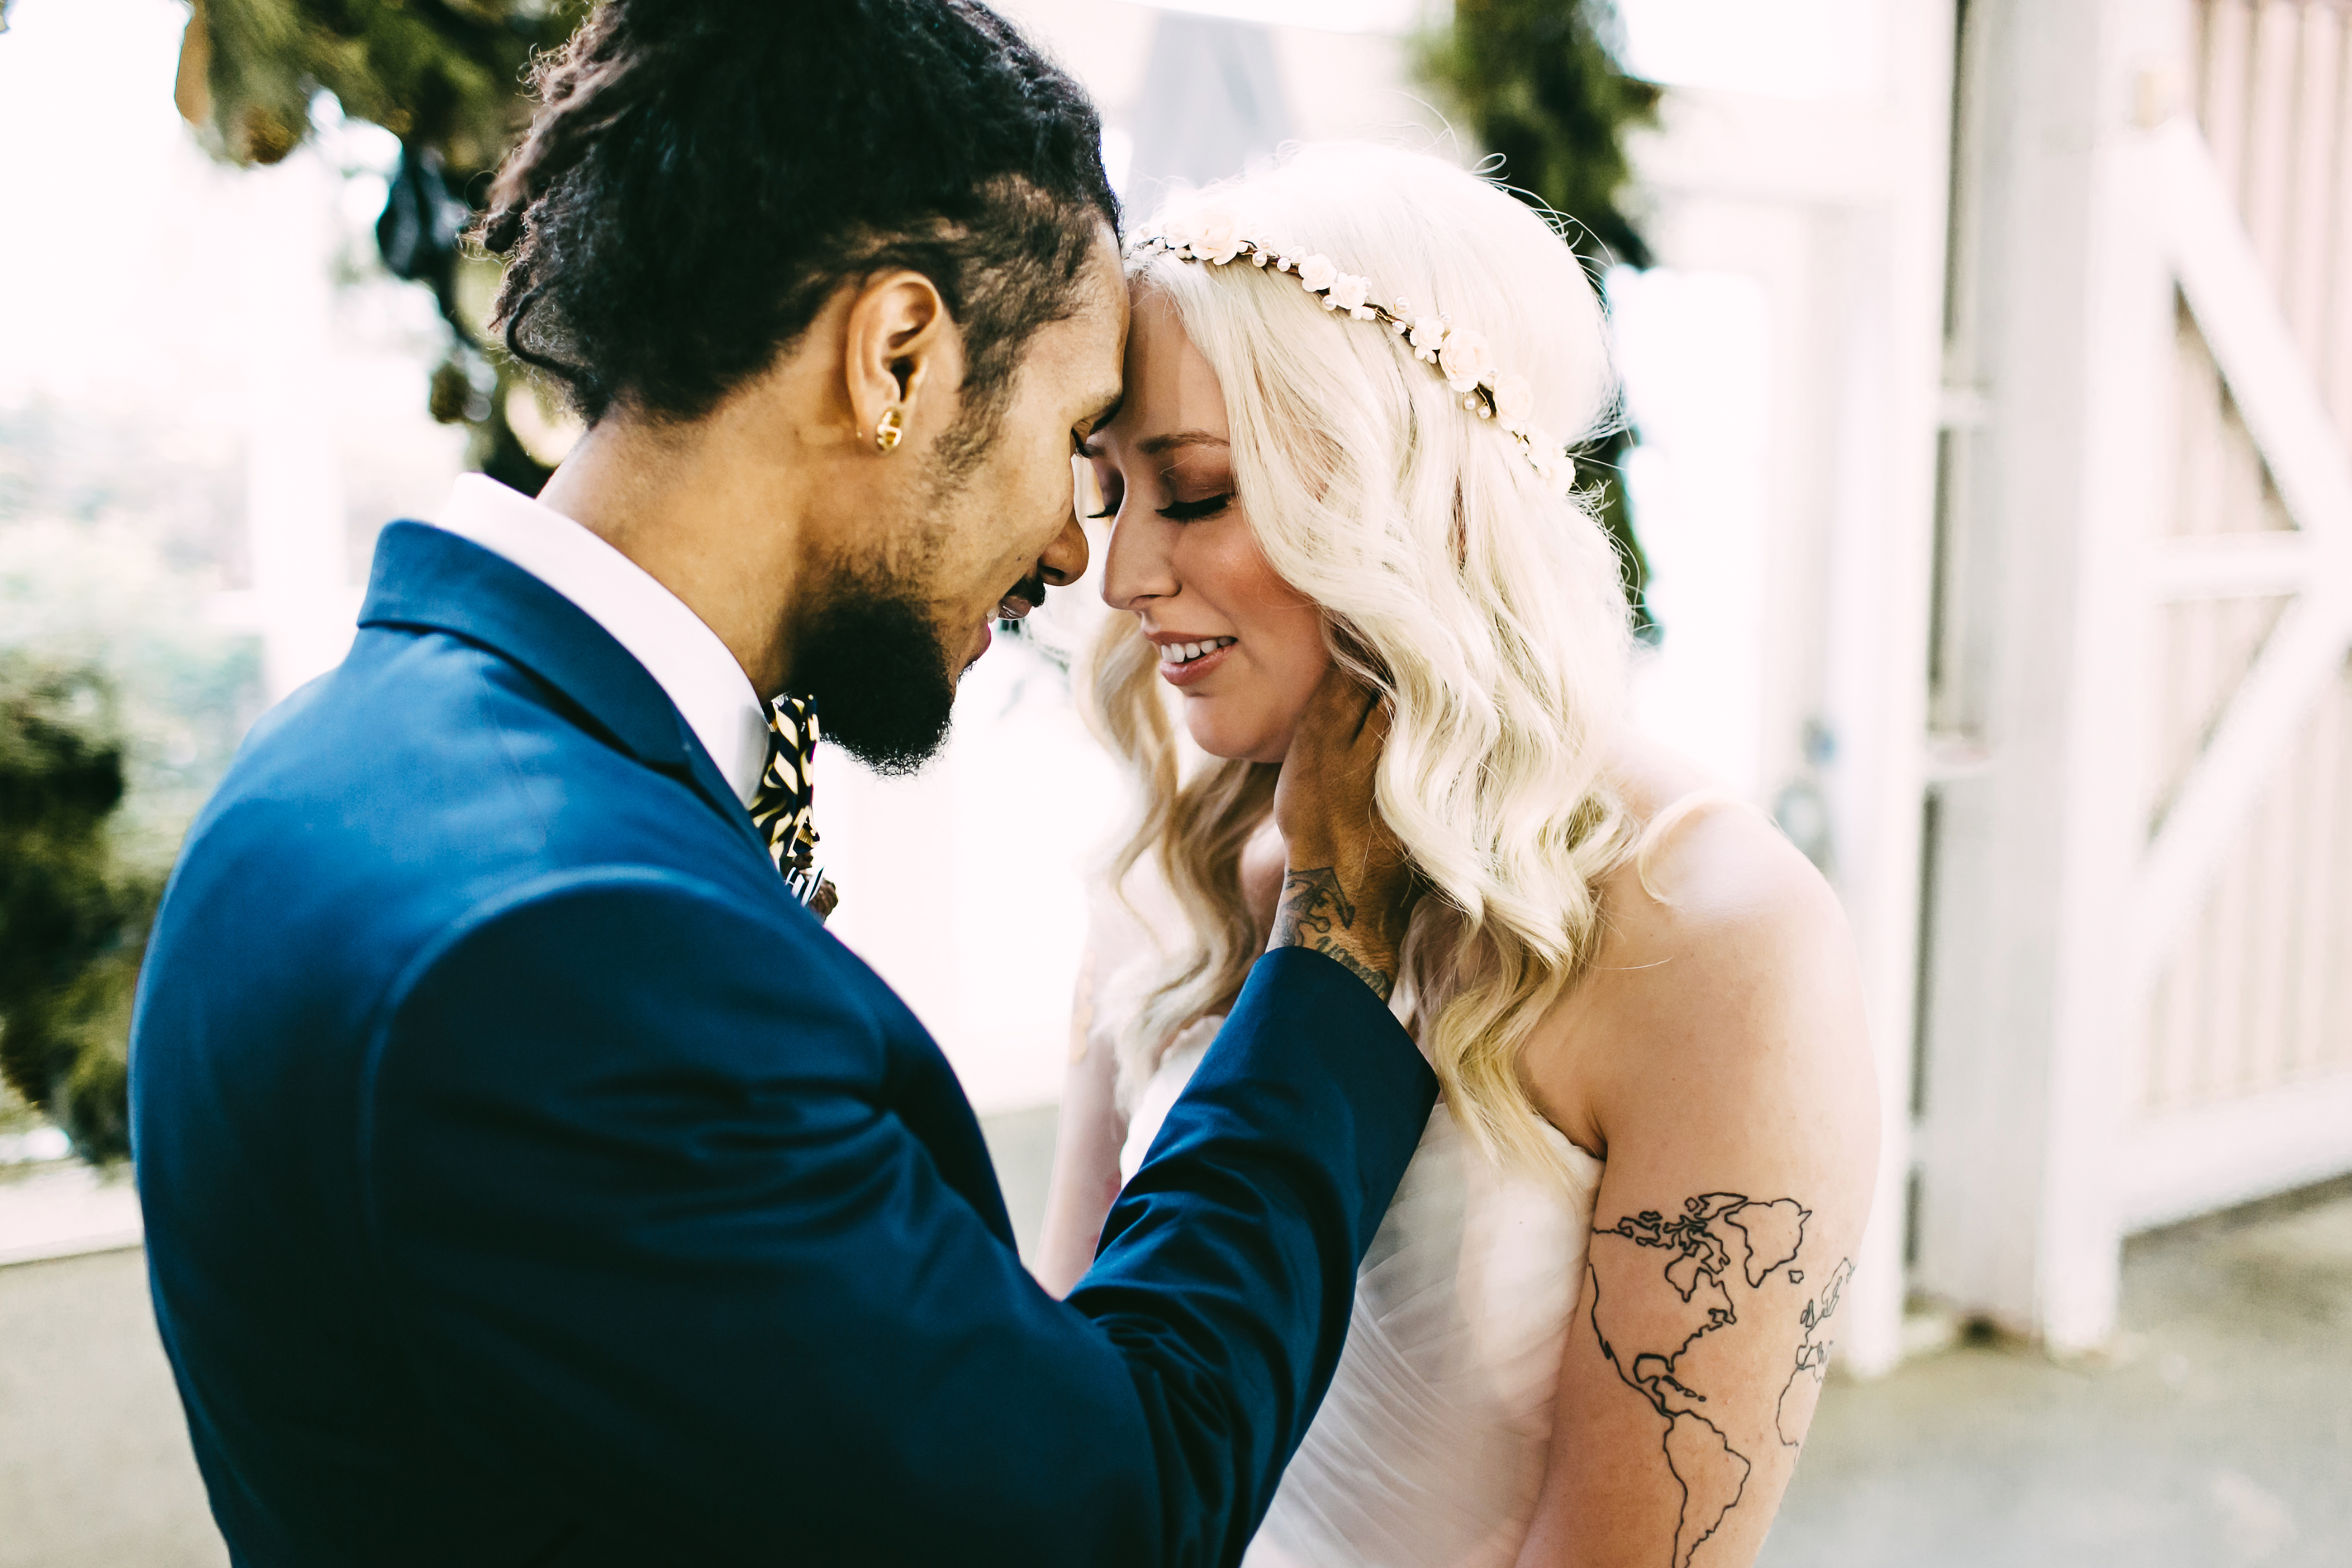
(2192, 1161)
(2238, 312)
(2252, 742)
(2231, 566)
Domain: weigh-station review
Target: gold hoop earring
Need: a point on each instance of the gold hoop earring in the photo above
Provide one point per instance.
(888, 431)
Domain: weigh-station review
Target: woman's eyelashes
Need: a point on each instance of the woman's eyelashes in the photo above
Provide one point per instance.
(1193, 510)
(1175, 511)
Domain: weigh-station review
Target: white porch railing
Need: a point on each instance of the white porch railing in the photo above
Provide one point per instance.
(2241, 945)
(2139, 994)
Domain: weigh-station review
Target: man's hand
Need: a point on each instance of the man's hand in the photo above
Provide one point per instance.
(1346, 888)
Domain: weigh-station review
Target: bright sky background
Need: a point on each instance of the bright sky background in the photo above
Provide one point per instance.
(118, 258)
(123, 242)
(1332, 15)
(139, 274)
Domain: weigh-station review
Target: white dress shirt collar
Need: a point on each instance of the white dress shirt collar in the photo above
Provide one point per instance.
(682, 654)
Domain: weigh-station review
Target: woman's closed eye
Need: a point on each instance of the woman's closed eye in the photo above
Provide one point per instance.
(1193, 510)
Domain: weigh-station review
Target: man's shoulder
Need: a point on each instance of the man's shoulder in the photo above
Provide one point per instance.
(423, 743)
(423, 782)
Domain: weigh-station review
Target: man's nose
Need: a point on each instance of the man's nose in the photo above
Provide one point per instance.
(1064, 560)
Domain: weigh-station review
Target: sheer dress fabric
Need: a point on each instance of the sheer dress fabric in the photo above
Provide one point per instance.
(1429, 1449)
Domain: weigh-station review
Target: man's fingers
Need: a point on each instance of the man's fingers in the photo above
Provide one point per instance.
(1340, 701)
(1341, 706)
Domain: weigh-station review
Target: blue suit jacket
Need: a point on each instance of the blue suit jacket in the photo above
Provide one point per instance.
(529, 1179)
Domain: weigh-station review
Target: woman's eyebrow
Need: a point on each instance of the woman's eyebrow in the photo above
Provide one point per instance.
(1156, 445)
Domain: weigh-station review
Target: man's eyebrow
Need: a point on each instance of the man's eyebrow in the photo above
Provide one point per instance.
(1102, 417)
(1176, 439)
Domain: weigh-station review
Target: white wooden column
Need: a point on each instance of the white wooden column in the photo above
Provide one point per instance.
(2067, 348)
(1874, 665)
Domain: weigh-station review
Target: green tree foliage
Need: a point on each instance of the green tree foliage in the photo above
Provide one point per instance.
(447, 77)
(1538, 83)
(439, 74)
(73, 924)
(114, 686)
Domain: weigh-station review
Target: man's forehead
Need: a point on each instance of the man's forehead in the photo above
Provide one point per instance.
(1085, 348)
(1102, 283)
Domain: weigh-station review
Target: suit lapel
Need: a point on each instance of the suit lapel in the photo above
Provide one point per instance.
(427, 579)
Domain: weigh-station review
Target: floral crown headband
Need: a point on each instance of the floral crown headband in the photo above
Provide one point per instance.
(1462, 357)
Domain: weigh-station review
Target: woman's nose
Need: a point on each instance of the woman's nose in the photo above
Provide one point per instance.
(1136, 568)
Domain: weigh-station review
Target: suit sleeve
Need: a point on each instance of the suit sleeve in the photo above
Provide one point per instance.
(660, 1248)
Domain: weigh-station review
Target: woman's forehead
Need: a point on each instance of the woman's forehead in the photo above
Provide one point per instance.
(1171, 389)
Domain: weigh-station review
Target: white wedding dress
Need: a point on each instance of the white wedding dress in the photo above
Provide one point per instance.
(1430, 1449)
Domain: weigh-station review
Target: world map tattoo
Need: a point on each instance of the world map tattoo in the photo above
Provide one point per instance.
(1683, 1330)
(1812, 1352)
(1313, 909)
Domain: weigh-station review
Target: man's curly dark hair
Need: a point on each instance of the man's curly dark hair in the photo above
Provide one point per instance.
(702, 175)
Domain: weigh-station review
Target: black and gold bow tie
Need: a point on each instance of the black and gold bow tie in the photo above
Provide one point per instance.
(782, 805)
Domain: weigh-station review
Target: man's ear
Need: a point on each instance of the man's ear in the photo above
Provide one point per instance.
(901, 349)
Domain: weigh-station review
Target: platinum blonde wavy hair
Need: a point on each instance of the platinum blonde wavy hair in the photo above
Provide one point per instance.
(1483, 603)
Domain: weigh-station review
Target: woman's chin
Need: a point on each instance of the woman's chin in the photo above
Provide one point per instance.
(1253, 743)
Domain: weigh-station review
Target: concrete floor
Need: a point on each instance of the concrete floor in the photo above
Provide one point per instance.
(95, 1470)
(2217, 1432)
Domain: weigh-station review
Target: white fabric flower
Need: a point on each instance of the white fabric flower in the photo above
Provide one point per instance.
(1465, 359)
(1515, 400)
(1428, 333)
(1216, 235)
(1553, 466)
(1316, 273)
(1176, 234)
(1349, 291)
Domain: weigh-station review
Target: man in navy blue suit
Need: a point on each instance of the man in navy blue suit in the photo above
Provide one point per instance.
(529, 1178)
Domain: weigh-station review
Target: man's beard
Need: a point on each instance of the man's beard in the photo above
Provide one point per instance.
(872, 657)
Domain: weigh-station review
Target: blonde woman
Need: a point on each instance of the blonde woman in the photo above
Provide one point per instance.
(1593, 1325)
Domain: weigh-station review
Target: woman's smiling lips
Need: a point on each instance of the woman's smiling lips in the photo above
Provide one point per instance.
(1185, 659)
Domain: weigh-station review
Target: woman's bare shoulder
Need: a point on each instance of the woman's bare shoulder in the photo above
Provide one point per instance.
(1710, 872)
(1724, 955)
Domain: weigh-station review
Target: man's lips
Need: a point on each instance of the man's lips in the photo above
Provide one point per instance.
(1021, 598)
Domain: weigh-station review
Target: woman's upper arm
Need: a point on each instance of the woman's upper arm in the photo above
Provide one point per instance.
(1086, 1145)
(1736, 1095)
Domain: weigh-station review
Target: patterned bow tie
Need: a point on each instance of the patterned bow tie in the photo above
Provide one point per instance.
(782, 805)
